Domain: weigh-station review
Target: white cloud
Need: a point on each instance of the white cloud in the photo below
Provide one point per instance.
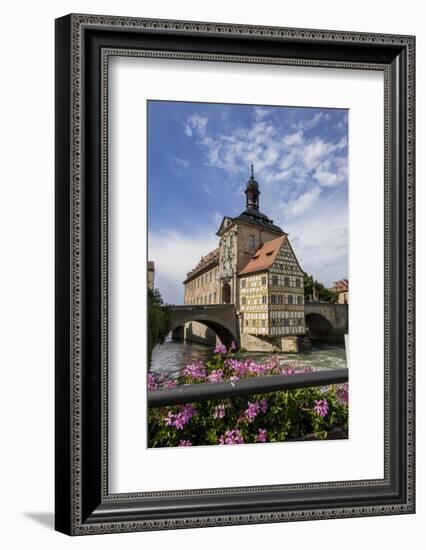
(304, 202)
(261, 112)
(310, 124)
(207, 189)
(277, 156)
(174, 254)
(293, 139)
(296, 174)
(181, 162)
(320, 241)
(196, 123)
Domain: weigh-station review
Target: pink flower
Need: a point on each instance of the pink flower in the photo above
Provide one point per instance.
(261, 436)
(264, 405)
(215, 376)
(221, 349)
(342, 393)
(231, 437)
(184, 443)
(219, 411)
(249, 367)
(274, 362)
(307, 369)
(286, 370)
(181, 418)
(169, 384)
(169, 419)
(195, 371)
(233, 346)
(252, 411)
(152, 384)
(321, 407)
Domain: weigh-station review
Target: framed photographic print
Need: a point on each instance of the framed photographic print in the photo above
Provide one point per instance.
(234, 274)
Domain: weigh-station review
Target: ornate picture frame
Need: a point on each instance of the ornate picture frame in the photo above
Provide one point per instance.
(84, 44)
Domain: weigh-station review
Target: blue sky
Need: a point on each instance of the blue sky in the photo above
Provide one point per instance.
(199, 157)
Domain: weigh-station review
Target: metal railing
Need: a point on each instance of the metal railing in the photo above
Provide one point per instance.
(194, 393)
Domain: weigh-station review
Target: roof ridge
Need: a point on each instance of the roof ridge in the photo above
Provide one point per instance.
(264, 256)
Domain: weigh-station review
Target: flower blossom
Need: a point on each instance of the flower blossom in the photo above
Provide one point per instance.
(286, 370)
(231, 437)
(184, 443)
(252, 411)
(233, 346)
(196, 371)
(307, 369)
(264, 405)
(219, 411)
(152, 384)
(221, 349)
(248, 367)
(342, 394)
(321, 407)
(181, 418)
(215, 376)
(169, 384)
(261, 436)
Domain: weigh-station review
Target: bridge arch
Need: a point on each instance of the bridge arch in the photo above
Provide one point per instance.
(318, 325)
(336, 315)
(221, 319)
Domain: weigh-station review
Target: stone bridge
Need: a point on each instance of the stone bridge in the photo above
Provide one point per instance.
(321, 318)
(220, 318)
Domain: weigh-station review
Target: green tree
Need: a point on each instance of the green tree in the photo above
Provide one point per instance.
(315, 290)
(158, 320)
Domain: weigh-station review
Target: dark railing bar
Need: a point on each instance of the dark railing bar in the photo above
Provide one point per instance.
(194, 393)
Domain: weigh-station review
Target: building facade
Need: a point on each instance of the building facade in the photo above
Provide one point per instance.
(341, 288)
(272, 299)
(201, 285)
(255, 268)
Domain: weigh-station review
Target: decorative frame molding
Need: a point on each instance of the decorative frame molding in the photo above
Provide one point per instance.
(84, 43)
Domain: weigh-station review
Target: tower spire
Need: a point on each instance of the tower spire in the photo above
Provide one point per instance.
(252, 191)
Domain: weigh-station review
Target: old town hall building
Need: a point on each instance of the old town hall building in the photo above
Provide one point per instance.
(255, 268)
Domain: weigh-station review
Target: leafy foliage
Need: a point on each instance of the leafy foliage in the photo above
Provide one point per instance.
(279, 416)
(158, 320)
(315, 290)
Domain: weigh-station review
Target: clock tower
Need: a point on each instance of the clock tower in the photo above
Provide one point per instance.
(239, 239)
(252, 192)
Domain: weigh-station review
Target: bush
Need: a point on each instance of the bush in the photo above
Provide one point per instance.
(278, 416)
(158, 320)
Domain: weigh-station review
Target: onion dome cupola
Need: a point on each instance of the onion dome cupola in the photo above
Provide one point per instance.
(252, 192)
(252, 214)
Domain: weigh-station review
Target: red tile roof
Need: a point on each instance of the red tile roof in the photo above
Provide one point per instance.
(340, 286)
(264, 256)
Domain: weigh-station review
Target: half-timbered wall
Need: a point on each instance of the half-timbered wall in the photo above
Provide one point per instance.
(254, 304)
(272, 301)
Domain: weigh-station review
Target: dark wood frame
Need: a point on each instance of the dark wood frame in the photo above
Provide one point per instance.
(83, 46)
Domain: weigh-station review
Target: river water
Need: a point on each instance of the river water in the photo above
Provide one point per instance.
(170, 358)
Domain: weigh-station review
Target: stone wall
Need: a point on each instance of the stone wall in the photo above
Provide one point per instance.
(285, 344)
(203, 289)
(197, 332)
